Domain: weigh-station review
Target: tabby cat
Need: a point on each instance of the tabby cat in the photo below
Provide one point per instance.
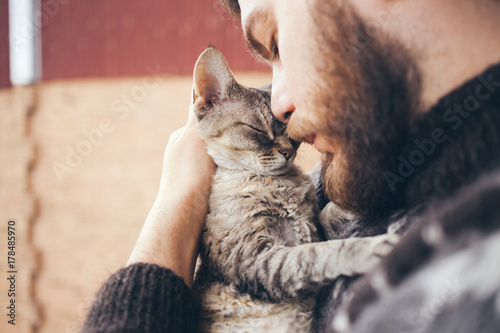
(261, 257)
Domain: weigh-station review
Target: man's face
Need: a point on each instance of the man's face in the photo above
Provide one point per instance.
(349, 94)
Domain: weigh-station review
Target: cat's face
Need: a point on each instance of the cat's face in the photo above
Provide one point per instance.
(236, 122)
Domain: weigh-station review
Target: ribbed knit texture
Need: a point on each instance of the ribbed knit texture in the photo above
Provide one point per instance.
(471, 151)
(472, 145)
(143, 298)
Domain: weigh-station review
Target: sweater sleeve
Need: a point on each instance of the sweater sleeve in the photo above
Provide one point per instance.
(143, 298)
(443, 276)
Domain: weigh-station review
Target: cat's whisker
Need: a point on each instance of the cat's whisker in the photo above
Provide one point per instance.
(261, 235)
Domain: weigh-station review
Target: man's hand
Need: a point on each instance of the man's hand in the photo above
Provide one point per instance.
(171, 233)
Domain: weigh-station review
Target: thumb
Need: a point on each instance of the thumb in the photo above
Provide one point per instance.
(191, 121)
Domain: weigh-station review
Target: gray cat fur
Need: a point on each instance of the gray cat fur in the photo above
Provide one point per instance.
(261, 257)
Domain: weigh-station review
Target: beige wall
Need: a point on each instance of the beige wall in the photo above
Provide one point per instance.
(17, 202)
(78, 225)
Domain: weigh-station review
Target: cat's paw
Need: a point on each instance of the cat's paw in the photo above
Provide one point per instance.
(383, 244)
(377, 247)
(331, 219)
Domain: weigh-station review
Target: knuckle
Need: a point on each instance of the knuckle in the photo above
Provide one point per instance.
(175, 135)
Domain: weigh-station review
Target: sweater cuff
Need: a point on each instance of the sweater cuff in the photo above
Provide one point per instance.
(143, 298)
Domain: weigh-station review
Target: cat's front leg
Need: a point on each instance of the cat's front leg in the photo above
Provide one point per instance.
(279, 272)
(356, 256)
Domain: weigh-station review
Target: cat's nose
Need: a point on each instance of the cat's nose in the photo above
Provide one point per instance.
(281, 102)
(288, 153)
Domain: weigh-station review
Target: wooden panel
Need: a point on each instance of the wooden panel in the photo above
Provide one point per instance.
(126, 37)
(4, 44)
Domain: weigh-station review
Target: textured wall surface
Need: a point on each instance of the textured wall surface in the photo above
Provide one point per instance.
(18, 204)
(128, 37)
(4, 44)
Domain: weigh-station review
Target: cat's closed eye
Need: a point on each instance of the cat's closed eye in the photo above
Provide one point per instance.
(264, 139)
(261, 136)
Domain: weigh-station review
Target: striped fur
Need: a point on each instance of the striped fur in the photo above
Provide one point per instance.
(261, 260)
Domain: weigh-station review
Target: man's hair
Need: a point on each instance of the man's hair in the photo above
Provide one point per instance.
(233, 7)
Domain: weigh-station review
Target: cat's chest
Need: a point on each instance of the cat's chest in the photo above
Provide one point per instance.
(279, 207)
(249, 193)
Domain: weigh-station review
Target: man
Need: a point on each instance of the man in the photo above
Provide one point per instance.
(403, 100)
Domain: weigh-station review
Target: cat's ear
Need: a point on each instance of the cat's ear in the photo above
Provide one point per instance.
(211, 78)
(266, 87)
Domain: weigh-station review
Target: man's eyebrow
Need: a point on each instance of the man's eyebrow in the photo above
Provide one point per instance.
(252, 43)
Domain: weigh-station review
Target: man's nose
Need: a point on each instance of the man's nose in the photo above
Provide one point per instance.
(281, 102)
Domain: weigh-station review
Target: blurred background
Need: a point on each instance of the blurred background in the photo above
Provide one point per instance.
(89, 93)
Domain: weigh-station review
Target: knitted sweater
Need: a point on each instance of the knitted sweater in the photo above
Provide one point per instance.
(143, 298)
(452, 189)
(449, 185)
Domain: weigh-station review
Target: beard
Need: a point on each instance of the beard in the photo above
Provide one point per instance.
(365, 95)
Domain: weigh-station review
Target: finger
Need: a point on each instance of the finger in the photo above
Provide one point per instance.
(176, 135)
(191, 128)
(191, 121)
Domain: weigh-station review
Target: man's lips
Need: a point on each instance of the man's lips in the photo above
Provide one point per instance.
(310, 138)
(317, 142)
(313, 140)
